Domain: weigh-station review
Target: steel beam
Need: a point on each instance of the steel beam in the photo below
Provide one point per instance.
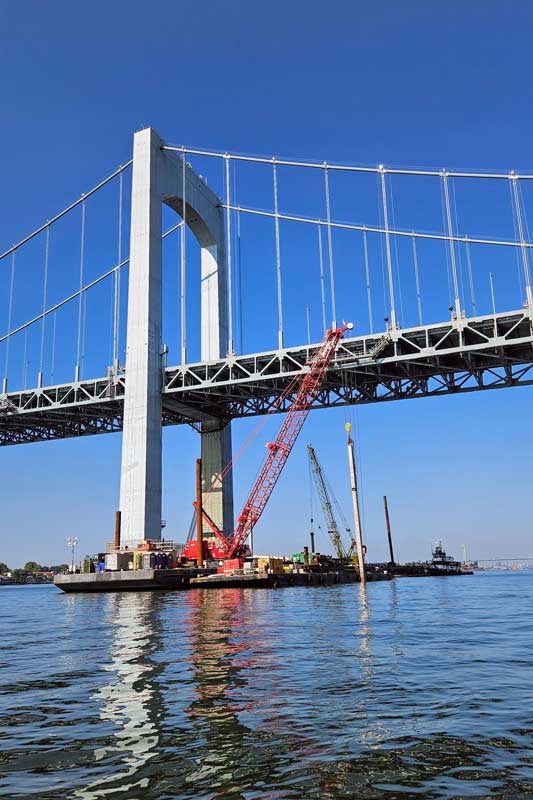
(434, 360)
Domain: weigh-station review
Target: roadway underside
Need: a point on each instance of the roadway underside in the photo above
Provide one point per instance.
(466, 355)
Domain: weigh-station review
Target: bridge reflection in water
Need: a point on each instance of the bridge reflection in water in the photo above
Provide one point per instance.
(303, 692)
(214, 692)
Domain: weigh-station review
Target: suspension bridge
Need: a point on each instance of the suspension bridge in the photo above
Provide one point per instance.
(199, 332)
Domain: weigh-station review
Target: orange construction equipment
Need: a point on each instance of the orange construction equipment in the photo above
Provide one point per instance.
(234, 545)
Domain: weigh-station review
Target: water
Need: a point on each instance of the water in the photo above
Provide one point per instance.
(420, 688)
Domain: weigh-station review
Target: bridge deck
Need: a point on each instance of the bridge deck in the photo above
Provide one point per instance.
(464, 355)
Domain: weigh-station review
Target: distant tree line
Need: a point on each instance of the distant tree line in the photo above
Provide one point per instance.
(33, 566)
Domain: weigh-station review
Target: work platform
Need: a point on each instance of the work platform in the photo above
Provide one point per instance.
(158, 579)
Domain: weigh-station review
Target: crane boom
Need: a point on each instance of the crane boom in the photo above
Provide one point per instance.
(233, 545)
(280, 449)
(325, 501)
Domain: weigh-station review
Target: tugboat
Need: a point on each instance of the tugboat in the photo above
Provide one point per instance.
(443, 564)
(441, 560)
(440, 564)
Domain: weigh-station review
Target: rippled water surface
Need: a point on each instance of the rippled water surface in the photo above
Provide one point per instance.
(416, 688)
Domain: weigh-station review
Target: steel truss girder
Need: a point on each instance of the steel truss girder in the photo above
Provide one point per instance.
(451, 358)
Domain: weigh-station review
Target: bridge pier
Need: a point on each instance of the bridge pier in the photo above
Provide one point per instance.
(158, 178)
(216, 455)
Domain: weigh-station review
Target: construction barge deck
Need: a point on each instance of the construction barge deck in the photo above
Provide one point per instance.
(183, 579)
(122, 572)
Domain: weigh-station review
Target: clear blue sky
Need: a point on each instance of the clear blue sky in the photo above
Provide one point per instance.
(405, 84)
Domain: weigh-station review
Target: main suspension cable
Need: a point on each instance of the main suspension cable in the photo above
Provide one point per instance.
(345, 167)
(66, 210)
(442, 237)
(76, 294)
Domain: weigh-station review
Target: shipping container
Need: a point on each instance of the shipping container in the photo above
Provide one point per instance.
(118, 561)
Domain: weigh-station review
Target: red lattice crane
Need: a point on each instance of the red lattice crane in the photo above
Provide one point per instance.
(279, 450)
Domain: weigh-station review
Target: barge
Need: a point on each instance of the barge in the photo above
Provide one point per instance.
(134, 580)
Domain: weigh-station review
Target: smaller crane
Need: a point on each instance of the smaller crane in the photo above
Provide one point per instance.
(325, 494)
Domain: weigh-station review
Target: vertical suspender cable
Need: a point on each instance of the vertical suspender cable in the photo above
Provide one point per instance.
(239, 277)
(9, 319)
(381, 254)
(461, 277)
(330, 248)
(525, 261)
(228, 256)
(308, 325)
(322, 281)
(83, 332)
(448, 270)
(457, 302)
(53, 364)
(183, 261)
(80, 300)
(417, 281)
(470, 279)
(396, 258)
(491, 281)
(516, 249)
(45, 288)
(25, 360)
(387, 247)
(278, 255)
(527, 237)
(368, 290)
(116, 303)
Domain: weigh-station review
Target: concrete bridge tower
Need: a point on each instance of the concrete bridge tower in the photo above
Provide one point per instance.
(158, 177)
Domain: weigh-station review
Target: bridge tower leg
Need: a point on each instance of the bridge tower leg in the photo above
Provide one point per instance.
(140, 481)
(158, 178)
